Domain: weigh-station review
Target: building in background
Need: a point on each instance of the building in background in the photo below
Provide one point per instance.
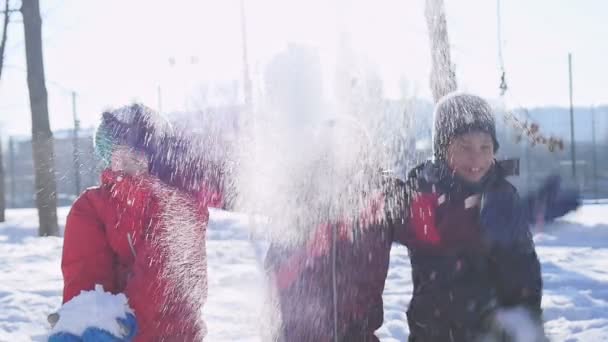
(411, 143)
(19, 168)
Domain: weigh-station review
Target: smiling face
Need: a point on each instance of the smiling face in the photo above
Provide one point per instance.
(471, 155)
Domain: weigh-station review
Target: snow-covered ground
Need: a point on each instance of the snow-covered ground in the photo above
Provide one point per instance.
(574, 254)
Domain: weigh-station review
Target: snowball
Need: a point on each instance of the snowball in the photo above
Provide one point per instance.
(95, 308)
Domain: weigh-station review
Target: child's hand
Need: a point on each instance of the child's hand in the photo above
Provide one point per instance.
(552, 200)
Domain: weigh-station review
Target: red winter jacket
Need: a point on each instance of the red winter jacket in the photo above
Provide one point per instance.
(137, 236)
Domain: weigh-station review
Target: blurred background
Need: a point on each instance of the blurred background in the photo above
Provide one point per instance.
(201, 63)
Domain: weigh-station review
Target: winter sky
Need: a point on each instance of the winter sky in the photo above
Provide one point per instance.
(115, 51)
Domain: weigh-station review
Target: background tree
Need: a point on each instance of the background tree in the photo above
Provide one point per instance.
(443, 77)
(42, 137)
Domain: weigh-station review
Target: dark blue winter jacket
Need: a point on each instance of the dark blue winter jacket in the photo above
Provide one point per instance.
(471, 252)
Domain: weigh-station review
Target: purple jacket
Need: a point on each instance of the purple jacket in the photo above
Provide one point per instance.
(333, 284)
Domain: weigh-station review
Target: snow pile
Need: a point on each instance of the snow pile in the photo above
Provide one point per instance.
(573, 252)
(31, 283)
(95, 308)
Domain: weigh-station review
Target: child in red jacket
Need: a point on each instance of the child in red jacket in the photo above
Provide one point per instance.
(142, 232)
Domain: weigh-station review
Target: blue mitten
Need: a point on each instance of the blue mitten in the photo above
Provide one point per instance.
(552, 200)
(98, 335)
(64, 337)
(128, 330)
(504, 221)
(128, 326)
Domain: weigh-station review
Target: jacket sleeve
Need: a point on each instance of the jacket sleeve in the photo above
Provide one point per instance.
(396, 210)
(518, 278)
(87, 257)
(286, 264)
(517, 270)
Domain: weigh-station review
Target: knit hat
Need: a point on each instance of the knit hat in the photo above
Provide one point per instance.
(457, 114)
(136, 126)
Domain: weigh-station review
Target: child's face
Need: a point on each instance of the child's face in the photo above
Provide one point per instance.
(471, 155)
(129, 161)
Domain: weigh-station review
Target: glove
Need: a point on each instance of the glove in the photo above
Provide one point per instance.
(503, 220)
(127, 326)
(552, 201)
(64, 337)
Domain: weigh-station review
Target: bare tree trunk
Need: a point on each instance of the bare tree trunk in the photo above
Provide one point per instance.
(443, 77)
(7, 16)
(42, 137)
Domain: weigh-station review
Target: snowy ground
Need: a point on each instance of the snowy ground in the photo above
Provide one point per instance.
(574, 254)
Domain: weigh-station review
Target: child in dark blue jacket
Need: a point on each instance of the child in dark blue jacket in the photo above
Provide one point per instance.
(468, 231)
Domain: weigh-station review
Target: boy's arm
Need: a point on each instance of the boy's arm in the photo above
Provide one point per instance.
(388, 205)
(518, 278)
(87, 258)
(286, 264)
(506, 234)
(284, 267)
(551, 201)
(505, 221)
(396, 208)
